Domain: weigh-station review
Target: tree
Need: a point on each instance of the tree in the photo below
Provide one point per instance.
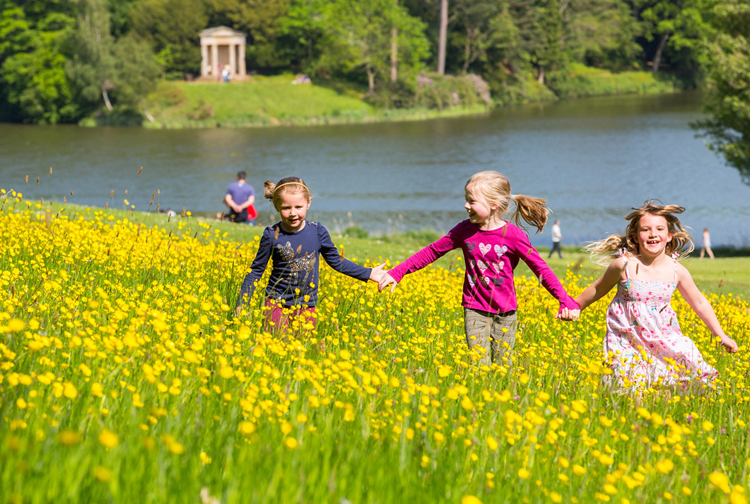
(548, 54)
(137, 73)
(442, 42)
(675, 24)
(359, 36)
(172, 28)
(303, 28)
(262, 20)
(599, 32)
(92, 68)
(33, 84)
(727, 61)
(476, 20)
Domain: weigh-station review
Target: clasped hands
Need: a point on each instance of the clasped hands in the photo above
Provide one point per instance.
(379, 275)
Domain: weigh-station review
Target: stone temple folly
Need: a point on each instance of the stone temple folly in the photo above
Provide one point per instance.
(221, 47)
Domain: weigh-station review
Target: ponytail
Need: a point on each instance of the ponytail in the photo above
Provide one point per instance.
(532, 210)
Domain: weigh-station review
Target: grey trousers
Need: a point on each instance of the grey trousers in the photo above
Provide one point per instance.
(491, 336)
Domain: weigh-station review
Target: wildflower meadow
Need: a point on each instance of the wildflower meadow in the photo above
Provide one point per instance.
(126, 376)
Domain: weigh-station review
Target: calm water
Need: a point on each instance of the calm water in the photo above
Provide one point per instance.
(591, 159)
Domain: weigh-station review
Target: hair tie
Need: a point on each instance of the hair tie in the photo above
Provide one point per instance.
(290, 183)
(512, 196)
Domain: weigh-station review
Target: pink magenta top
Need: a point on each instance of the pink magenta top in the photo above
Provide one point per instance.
(491, 257)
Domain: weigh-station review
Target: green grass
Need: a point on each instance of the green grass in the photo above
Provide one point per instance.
(581, 81)
(270, 101)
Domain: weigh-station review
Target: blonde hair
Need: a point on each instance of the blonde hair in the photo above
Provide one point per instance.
(287, 185)
(682, 243)
(495, 188)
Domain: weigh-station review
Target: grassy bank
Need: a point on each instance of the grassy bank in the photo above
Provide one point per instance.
(580, 81)
(275, 101)
(269, 101)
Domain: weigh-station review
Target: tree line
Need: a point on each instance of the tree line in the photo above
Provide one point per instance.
(61, 60)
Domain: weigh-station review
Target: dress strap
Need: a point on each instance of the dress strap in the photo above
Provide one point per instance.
(623, 254)
(674, 258)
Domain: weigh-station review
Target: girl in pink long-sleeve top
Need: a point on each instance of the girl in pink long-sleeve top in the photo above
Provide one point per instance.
(492, 248)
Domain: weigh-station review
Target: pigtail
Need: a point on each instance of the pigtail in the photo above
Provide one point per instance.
(604, 251)
(268, 187)
(532, 210)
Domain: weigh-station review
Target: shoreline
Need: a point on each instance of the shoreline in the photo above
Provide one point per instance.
(386, 115)
(274, 102)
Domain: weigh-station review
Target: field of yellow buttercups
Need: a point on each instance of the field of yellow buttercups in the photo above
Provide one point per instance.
(125, 376)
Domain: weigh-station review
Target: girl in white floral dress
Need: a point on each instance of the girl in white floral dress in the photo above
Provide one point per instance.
(644, 344)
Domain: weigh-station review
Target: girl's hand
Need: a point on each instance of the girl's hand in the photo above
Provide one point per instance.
(567, 314)
(376, 275)
(386, 281)
(729, 344)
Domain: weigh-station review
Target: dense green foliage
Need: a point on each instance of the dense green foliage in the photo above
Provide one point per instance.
(728, 56)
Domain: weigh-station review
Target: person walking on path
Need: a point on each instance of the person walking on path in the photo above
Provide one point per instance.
(240, 198)
(706, 244)
(556, 240)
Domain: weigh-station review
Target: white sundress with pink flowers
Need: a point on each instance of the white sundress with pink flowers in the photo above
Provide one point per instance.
(644, 344)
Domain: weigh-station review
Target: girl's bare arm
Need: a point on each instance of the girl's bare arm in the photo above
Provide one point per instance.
(702, 307)
(603, 284)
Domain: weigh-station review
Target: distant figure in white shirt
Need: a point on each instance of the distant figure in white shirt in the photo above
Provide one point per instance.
(556, 239)
(706, 248)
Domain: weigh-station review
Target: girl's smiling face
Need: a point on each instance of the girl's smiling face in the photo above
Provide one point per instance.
(653, 235)
(293, 209)
(478, 207)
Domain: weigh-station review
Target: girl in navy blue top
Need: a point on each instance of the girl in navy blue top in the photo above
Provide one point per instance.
(294, 245)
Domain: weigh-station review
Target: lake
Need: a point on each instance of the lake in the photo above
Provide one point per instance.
(591, 159)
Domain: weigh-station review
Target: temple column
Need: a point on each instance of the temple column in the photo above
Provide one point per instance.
(204, 60)
(243, 70)
(232, 59)
(215, 60)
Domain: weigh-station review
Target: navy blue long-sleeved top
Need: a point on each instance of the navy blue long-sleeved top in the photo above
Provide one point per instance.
(295, 264)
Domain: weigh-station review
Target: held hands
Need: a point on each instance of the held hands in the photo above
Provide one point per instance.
(386, 281)
(377, 273)
(568, 314)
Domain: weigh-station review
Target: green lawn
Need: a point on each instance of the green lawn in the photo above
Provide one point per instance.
(270, 101)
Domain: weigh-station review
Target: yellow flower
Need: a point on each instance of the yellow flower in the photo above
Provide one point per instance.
(69, 438)
(70, 391)
(290, 443)
(524, 473)
(491, 443)
(665, 466)
(579, 470)
(720, 481)
(737, 498)
(707, 426)
(102, 474)
(108, 439)
(470, 499)
(16, 325)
